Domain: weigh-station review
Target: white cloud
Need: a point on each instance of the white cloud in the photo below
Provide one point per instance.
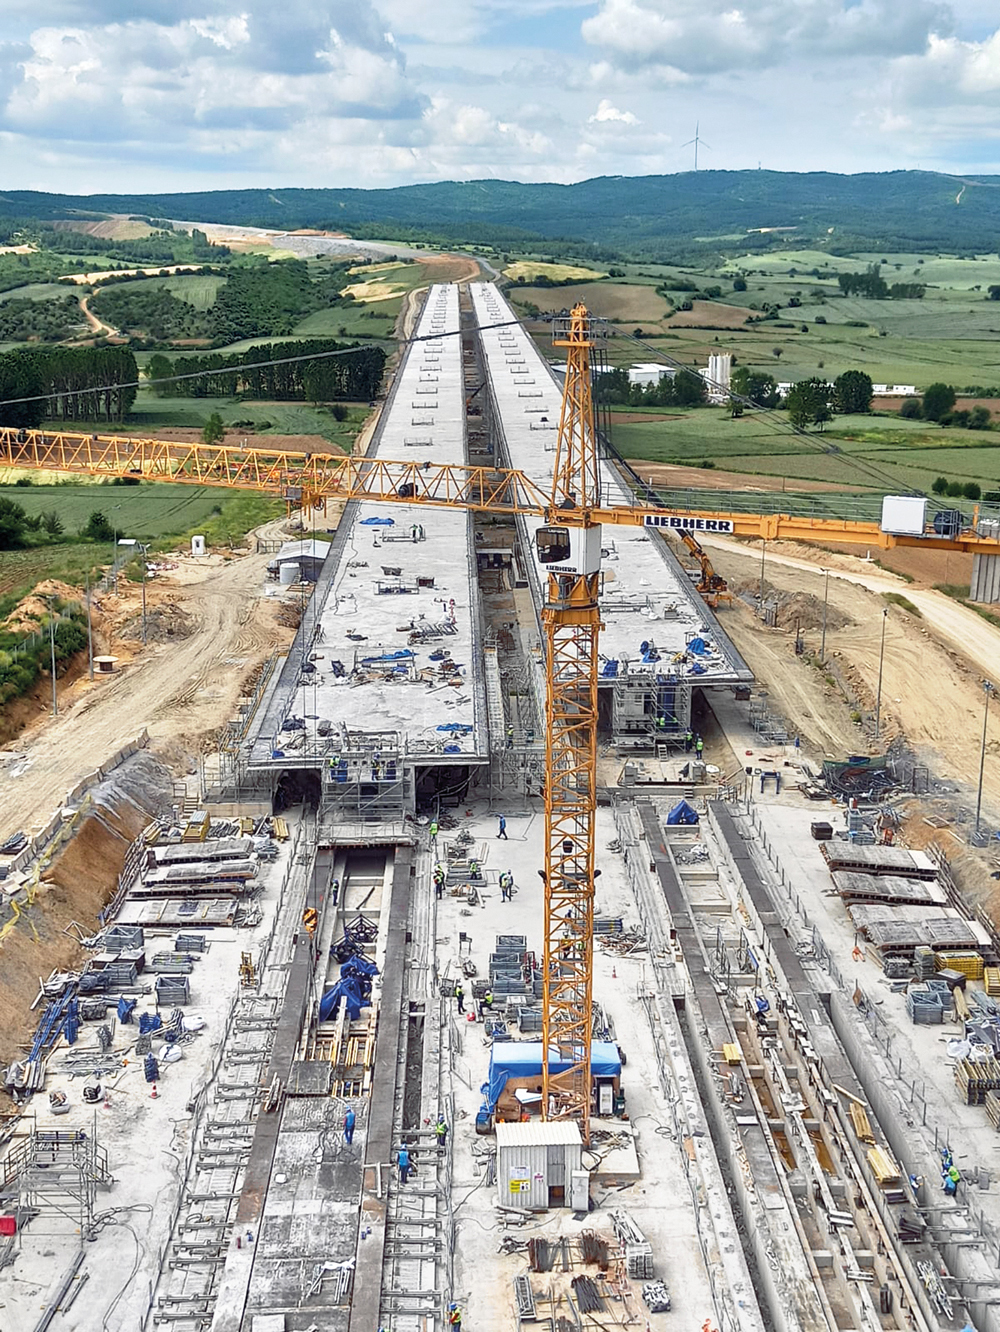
(606, 112)
(700, 36)
(148, 95)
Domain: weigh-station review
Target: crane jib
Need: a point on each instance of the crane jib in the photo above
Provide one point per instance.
(684, 523)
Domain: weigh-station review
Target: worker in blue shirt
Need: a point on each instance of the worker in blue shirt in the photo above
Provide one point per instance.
(403, 1161)
(350, 1119)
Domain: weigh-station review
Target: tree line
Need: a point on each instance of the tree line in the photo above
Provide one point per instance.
(685, 389)
(356, 376)
(873, 285)
(66, 383)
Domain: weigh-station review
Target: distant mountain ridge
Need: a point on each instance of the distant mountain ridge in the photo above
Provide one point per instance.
(900, 210)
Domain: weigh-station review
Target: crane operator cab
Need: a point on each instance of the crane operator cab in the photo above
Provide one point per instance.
(568, 550)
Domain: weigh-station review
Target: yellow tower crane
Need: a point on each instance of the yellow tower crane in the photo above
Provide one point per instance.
(568, 549)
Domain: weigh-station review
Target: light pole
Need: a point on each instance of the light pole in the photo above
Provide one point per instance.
(90, 634)
(763, 548)
(52, 654)
(826, 599)
(881, 657)
(989, 690)
(143, 551)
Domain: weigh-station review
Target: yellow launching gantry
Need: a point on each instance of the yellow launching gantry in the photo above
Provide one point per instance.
(313, 478)
(568, 551)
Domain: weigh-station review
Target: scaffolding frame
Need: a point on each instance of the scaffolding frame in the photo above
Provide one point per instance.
(57, 1173)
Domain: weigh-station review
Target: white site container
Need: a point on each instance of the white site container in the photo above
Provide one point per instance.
(904, 515)
(536, 1163)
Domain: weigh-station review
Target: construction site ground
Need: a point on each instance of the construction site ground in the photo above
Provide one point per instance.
(933, 666)
(147, 1139)
(660, 1202)
(918, 1067)
(181, 688)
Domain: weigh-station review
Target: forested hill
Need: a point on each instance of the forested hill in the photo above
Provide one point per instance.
(892, 210)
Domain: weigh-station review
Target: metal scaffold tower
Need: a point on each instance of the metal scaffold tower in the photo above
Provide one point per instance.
(57, 1173)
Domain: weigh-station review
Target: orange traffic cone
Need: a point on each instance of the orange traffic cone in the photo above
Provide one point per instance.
(154, 1095)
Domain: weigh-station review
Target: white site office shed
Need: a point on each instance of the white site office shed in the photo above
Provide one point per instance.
(536, 1162)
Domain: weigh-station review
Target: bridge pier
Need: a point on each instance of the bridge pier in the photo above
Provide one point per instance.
(985, 583)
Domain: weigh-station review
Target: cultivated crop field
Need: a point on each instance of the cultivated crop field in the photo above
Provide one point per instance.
(199, 290)
(529, 270)
(854, 450)
(611, 300)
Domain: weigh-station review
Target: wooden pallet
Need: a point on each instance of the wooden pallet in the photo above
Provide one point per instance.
(862, 1125)
(884, 1168)
(991, 980)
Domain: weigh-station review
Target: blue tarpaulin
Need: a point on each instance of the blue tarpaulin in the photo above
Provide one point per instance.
(696, 647)
(523, 1059)
(354, 987)
(377, 522)
(682, 813)
(610, 669)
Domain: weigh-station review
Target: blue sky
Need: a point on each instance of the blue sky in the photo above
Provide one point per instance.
(156, 95)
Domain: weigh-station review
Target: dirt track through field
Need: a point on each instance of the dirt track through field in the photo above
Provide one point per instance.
(180, 690)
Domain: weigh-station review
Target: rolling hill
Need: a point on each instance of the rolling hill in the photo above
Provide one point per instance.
(905, 210)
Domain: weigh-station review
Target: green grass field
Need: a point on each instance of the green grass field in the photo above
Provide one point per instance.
(151, 510)
(38, 291)
(871, 451)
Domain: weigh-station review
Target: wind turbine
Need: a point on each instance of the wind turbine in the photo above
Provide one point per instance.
(696, 141)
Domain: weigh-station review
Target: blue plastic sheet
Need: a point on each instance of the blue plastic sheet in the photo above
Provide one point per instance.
(523, 1059)
(696, 647)
(377, 522)
(682, 813)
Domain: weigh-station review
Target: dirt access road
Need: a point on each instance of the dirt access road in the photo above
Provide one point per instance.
(180, 690)
(932, 670)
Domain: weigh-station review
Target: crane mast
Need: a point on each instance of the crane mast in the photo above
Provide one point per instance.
(568, 548)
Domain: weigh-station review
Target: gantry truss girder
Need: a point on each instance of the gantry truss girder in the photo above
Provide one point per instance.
(314, 478)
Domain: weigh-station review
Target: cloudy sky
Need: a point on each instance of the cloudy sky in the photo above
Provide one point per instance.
(144, 95)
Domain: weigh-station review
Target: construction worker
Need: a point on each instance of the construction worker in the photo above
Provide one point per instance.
(506, 886)
(952, 1179)
(439, 878)
(503, 828)
(699, 747)
(485, 1003)
(441, 1131)
(474, 869)
(510, 737)
(688, 741)
(350, 1119)
(455, 1318)
(460, 996)
(434, 830)
(403, 1161)
(661, 722)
